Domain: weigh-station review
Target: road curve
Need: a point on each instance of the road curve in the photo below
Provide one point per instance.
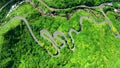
(33, 36)
(108, 20)
(51, 38)
(5, 5)
(81, 28)
(58, 9)
(101, 6)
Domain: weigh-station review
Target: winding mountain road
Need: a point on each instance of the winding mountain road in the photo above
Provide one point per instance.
(51, 38)
(33, 36)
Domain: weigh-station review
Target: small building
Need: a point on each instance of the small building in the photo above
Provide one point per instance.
(117, 10)
(110, 4)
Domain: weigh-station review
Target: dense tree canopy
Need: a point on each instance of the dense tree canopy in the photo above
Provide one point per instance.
(95, 46)
(70, 3)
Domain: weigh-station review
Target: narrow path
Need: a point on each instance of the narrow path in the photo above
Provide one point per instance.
(5, 5)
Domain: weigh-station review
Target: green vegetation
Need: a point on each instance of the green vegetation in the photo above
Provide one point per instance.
(114, 18)
(71, 3)
(95, 46)
(6, 9)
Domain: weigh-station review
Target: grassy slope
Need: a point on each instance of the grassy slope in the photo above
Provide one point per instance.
(112, 16)
(95, 45)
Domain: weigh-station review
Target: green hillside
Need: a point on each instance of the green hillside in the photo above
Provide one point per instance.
(71, 3)
(96, 36)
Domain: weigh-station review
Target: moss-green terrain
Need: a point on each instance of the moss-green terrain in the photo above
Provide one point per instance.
(71, 3)
(96, 46)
